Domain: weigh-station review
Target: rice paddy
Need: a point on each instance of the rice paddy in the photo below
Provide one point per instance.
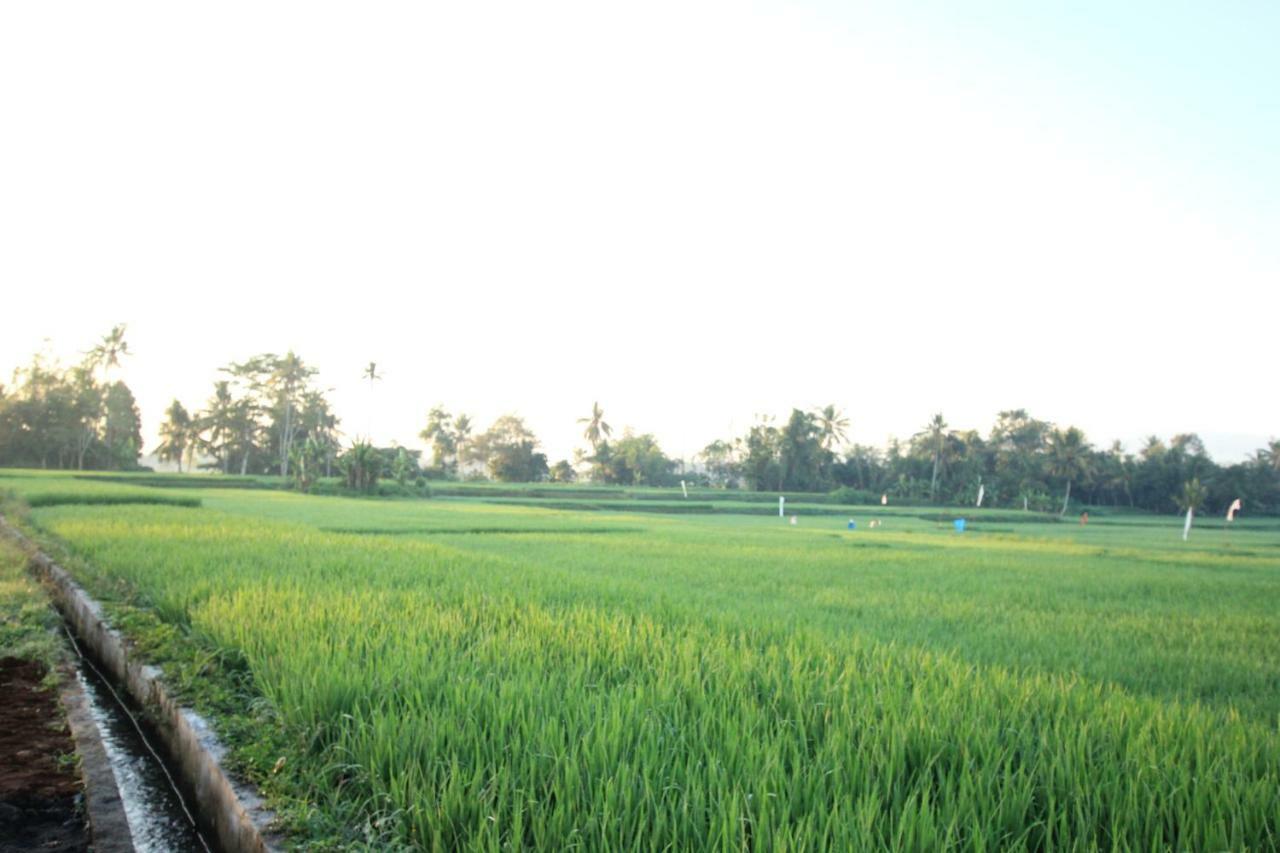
(462, 674)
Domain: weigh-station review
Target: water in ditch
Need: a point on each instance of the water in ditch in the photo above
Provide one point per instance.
(158, 819)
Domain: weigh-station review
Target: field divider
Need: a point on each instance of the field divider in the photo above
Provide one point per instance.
(231, 810)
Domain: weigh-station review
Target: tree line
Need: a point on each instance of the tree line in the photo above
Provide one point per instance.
(81, 417)
(267, 415)
(1021, 462)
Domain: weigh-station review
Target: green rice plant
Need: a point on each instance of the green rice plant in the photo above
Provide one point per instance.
(108, 499)
(656, 682)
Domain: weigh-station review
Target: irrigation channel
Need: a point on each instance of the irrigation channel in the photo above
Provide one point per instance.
(157, 813)
(231, 816)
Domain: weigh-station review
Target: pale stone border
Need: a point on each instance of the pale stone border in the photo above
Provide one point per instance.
(108, 826)
(233, 811)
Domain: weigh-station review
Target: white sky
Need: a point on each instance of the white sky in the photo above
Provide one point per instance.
(690, 212)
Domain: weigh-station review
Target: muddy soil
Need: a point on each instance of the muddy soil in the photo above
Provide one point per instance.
(39, 785)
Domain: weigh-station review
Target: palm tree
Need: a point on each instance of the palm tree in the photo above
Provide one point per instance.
(106, 355)
(461, 434)
(176, 434)
(1068, 458)
(1119, 472)
(371, 373)
(832, 427)
(935, 432)
(597, 430)
(216, 421)
(288, 378)
(1272, 455)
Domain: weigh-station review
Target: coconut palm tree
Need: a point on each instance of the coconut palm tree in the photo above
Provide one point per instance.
(1272, 454)
(371, 373)
(832, 427)
(1068, 458)
(176, 435)
(287, 379)
(108, 352)
(106, 355)
(597, 430)
(216, 424)
(935, 434)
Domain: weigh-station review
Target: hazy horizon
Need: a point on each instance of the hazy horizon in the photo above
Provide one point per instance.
(692, 213)
(560, 433)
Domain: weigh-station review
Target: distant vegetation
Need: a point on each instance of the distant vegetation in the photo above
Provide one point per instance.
(266, 415)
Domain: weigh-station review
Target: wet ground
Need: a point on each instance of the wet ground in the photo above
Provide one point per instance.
(40, 794)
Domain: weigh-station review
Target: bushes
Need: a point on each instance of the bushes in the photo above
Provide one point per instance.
(848, 495)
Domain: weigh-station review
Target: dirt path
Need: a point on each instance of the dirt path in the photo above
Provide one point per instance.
(39, 793)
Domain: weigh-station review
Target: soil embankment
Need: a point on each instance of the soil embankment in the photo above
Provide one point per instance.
(39, 786)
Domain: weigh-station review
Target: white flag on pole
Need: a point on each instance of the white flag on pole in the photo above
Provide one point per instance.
(1235, 507)
(1186, 528)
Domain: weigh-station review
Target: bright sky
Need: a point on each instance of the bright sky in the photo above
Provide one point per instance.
(691, 212)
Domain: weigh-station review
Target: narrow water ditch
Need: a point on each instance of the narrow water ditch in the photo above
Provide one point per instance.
(158, 816)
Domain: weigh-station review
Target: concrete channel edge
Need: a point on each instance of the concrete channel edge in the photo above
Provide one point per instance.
(232, 811)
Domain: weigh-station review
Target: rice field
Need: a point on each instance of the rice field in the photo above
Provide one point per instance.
(460, 674)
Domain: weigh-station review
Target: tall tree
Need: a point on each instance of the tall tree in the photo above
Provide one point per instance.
(800, 453)
(760, 458)
(509, 451)
(288, 379)
(1068, 459)
(371, 375)
(461, 435)
(1271, 455)
(722, 461)
(215, 427)
(175, 435)
(88, 404)
(106, 355)
(124, 446)
(833, 428)
(318, 428)
(276, 385)
(934, 435)
(597, 430)
(439, 433)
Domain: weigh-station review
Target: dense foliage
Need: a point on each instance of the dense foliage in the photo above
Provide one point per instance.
(78, 417)
(1022, 462)
(267, 416)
